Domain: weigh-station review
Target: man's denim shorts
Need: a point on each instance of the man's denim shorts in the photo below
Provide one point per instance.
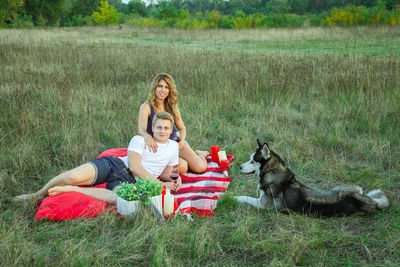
(110, 172)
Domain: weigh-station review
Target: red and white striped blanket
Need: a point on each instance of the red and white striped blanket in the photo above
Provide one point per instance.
(200, 192)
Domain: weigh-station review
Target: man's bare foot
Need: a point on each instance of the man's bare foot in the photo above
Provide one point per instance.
(61, 189)
(26, 197)
(203, 153)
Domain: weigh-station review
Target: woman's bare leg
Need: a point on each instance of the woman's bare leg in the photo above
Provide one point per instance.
(197, 162)
(98, 193)
(204, 153)
(82, 175)
(183, 166)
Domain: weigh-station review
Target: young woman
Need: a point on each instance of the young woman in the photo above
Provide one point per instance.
(164, 97)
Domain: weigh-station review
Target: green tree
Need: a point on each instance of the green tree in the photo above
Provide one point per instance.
(214, 18)
(277, 6)
(107, 15)
(77, 12)
(137, 7)
(116, 3)
(184, 14)
(45, 12)
(390, 4)
(195, 6)
(178, 4)
(166, 11)
(83, 7)
(298, 6)
(9, 10)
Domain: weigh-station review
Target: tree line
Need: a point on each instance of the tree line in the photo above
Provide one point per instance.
(189, 14)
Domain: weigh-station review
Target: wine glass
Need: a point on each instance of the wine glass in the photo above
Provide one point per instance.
(174, 174)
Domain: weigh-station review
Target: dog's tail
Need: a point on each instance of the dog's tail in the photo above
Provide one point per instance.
(380, 199)
(332, 196)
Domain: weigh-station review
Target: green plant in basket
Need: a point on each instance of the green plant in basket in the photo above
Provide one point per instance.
(131, 192)
(128, 192)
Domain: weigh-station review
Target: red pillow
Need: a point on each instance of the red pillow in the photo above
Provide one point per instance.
(71, 205)
(115, 152)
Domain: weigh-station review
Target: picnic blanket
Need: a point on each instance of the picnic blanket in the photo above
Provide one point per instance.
(199, 194)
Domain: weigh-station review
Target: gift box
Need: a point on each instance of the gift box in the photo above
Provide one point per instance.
(224, 164)
(214, 153)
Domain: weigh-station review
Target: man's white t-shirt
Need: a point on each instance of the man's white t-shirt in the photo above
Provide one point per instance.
(167, 155)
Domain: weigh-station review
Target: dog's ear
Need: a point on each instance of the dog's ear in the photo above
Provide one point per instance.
(267, 145)
(259, 144)
(265, 152)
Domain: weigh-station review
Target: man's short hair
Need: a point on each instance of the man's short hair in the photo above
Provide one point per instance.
(163, 116)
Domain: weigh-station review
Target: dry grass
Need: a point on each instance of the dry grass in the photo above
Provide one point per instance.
(372, 40)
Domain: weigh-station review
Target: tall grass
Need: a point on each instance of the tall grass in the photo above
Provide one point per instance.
(68, 94)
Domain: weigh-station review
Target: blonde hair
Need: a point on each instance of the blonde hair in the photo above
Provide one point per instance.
(171, 102)
(162, 116)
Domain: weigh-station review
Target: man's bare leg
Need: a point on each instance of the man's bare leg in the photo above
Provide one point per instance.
(82, 175)
(98, 193)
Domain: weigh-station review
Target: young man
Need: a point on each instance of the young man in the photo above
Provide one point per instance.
(140, 162)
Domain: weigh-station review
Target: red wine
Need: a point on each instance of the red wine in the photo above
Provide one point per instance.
(174, 176)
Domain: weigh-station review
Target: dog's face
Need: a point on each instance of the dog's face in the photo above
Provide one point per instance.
(263, 158)
(250, 166)
(257, 159)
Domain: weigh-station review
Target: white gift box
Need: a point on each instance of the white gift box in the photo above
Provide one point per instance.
(125, 207)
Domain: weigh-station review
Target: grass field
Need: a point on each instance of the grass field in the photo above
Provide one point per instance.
(327, 100)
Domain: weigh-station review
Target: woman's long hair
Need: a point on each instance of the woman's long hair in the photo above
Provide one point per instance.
(171, 102)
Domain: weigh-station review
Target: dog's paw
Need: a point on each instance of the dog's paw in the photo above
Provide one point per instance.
(380, 199)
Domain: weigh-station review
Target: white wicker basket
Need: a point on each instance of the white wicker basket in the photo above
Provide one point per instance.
(125, 207)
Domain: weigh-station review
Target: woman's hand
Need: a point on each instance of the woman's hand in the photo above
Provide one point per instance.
(150, 143)
(181, 144)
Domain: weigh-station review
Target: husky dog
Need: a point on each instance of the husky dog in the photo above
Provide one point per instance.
(280, 190)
